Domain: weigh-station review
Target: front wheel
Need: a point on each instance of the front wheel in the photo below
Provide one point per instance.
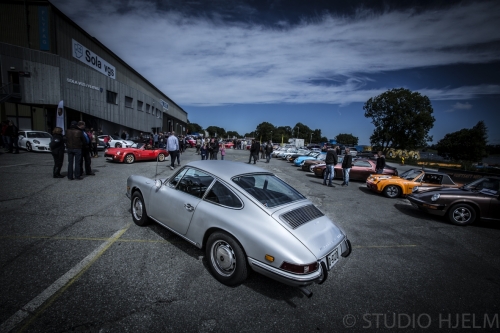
(138, 209)
(161, 157)
(226, 259)
(392, 191)
(28, 146)
(129, 159)
(462, 214)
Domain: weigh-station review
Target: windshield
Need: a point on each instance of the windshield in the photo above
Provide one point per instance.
(39, 135)
(268, 189)
(491, 184)
(410, 174)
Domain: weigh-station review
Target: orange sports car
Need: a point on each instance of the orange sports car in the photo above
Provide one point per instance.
(408, 182)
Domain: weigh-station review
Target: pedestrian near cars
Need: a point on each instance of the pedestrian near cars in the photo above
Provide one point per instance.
(95, 141)
(57, 151)
(203, 152)
(86, 149)
(263, 151)
(346, 166)
(13, 134)
(254, 152)
(269, 150)
(222, 151)
(215, 148)
(5, 137)
(74, 144)
(379, 168)
(331, 160)
(173, 149)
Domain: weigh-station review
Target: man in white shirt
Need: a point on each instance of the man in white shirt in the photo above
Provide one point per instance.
(173, 149)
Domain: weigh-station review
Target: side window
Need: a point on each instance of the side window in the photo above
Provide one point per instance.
(177, 177)
(222, 195)
(193, 181)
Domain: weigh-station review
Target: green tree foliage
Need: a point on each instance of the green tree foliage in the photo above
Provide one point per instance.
(402, 119)
(232, 134)
(264, 131)
(347, 139)
(213, 130)
(466, 144)
(194, 128)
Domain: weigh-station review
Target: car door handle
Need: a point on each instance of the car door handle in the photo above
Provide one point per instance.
(188, 207)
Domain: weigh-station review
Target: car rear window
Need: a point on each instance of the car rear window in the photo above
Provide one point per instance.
(268, 189)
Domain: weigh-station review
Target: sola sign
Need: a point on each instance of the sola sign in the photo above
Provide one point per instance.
(91, 59)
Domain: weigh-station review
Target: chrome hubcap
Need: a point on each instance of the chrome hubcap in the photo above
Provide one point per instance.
(461, 215)
(223, 258)
(137, 209)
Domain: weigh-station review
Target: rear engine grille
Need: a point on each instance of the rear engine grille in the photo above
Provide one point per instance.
(297, 217)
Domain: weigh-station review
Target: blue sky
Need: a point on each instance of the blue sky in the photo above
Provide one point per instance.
(235, 64)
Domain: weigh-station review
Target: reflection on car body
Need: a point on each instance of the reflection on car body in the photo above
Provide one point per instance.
(241, 214)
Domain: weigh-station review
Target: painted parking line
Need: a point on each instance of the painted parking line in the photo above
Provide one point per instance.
(41, 302)
(14, 165)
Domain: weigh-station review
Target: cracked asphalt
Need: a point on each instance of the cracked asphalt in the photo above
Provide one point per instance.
(408, 271)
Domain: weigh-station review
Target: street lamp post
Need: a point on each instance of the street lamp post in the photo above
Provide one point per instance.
(310, 140)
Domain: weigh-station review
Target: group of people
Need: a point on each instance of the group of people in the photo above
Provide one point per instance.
(10, 137)
(332, 159)
(209, 148)
(80, 143)
(265, 151)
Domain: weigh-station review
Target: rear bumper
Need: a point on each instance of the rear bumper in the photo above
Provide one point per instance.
(298, 280)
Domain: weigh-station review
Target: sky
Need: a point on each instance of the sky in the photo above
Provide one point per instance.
(238, 63)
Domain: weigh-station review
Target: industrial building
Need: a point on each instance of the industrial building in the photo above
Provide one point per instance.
(47, 60)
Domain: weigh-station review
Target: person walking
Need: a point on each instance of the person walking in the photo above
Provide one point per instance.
(346, 166)
(254, 152)
(331, 161)
(173, 149)
(222, 151)
(379, 168)
(269, 150)
(74, 144)
(86, 148)
(57, 151)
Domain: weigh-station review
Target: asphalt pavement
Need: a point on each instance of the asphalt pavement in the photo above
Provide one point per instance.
(73, 261)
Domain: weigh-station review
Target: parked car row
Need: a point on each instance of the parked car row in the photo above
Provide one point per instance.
(427, 190)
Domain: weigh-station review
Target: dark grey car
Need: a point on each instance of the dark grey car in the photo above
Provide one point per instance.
(463, 205)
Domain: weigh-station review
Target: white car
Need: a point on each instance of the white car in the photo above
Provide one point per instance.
(34, 140)
(116, 141)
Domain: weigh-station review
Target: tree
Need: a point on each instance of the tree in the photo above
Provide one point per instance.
(347, 139)
(194, 128)
(466, 144)
(214, 130)
(232, 134)
(402, 119)
(265, 131)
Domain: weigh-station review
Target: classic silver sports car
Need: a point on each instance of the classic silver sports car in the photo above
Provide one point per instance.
(243, 216)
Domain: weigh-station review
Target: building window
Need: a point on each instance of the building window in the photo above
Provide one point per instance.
(111, 97)
(128, 102)
(139, 106)
(147, 107)
(158, 113)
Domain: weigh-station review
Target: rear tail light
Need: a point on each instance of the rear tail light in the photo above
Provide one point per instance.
(299, 269)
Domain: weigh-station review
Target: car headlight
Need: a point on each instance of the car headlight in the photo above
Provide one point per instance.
(36, 141)
(435, 197)
(415, 189)
(118, 152)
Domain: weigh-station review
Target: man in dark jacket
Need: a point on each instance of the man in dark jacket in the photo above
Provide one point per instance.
(57, 150)
(379, 168)
(74, 145)
(269, 150)
(86, 148)
(254, 152)
(13, 133)
(331, 160)
(346, 166)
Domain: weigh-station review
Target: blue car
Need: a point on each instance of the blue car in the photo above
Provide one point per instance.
(313, 156)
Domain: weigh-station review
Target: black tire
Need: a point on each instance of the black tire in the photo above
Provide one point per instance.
(129, 158)
(161, 157)
(226, 259)
(138, 209)
(392, 191)
(28, 146)
(462, 214)
(118, 145)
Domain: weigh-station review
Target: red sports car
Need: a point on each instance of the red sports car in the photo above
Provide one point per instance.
(138, 152)
(361, 169)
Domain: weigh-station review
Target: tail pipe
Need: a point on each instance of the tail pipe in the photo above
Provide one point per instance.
(306, 292)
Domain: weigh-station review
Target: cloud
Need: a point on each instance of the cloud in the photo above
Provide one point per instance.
(460, 106)
(205, 61)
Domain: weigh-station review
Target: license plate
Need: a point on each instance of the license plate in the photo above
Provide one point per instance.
(332, 258)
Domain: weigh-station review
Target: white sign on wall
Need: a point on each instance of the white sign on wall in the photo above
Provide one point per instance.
(164, 104)
(91, 59)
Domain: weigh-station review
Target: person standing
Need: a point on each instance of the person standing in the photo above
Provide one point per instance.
(155, 140)
(74, 144)
(379, 168)
(269, 150)
(215, 149)
(346, 166)
(331, 161)
(13, 134)
(95, 141)
(173, 149)
(5, 137)
(57, 151)
(222, 151)
(86, 148)
(254, 152)
(198, 146)
(203, 152)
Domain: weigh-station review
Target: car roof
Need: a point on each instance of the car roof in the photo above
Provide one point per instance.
(226, 170)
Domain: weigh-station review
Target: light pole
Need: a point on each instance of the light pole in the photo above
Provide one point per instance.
(310, 140)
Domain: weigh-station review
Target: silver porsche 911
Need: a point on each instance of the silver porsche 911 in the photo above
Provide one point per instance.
(244, 217)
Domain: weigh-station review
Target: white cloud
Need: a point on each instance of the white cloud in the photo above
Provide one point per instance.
(199, 62)
(460, 106)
